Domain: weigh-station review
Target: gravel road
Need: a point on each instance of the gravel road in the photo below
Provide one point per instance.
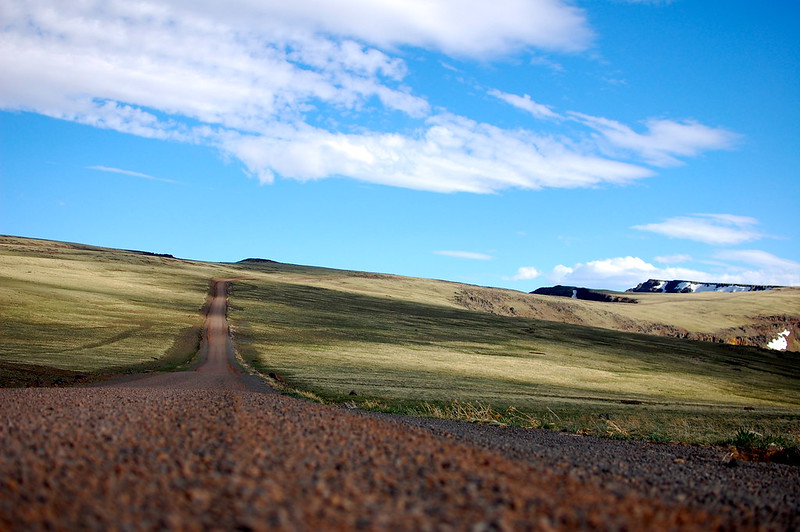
(213, 449)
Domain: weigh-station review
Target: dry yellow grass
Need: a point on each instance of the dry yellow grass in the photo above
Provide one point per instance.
(705, 312)
(87, 309)
(333, 341)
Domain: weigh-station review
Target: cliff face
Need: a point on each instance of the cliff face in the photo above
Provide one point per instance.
(779, 333)
(576, 292)
(680, 287)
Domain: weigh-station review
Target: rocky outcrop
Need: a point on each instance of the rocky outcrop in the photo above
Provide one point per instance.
(256, 261)
(683, 287)
(762, 332)
(576, 292)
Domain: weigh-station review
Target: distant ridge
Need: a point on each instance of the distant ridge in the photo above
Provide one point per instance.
(684, 287)
(576, 292)
(252, 260)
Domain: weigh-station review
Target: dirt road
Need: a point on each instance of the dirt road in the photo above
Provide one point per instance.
(210, 449)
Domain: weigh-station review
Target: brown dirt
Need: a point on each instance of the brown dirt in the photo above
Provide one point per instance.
(211, 449)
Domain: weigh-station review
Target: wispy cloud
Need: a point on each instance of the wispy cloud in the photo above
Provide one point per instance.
(525, 103)
(760, 259)
(674, 259)
(450, 154)
(245, 77)
(716, 229)
(131, 173)
(464, 255)
(546, 62)
(663, 142)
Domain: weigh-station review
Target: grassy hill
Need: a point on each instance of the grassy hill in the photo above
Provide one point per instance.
(743, 318)
(69, 311)
(402, 344)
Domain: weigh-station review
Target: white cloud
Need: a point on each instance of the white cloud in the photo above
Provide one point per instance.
(664, 141)
(130, 173)
(526, 104)
(526, 273)
(614, 273)
(248, 77)
(673, 259)
(464, 255)
(716, 229)
(449, 154)
(622, 273)
(661, 145)
(560, 273)
(752, 266)
(760, 259)
(472, 28)
(59, 58)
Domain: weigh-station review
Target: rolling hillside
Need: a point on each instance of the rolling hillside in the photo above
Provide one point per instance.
(71, 312)
(739, 318)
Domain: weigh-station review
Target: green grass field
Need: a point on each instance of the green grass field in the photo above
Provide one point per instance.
(401, 344)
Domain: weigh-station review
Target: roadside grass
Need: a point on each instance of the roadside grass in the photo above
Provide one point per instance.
(409, 355)
(92, 311)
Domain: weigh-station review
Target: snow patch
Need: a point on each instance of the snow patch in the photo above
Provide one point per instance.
(686, 284)
(780, 343)
(709, 287)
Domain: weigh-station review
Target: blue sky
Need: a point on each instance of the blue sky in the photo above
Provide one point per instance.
(512, 143)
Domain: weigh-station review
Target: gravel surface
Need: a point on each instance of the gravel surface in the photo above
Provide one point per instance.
(762, 495)
(212, 450)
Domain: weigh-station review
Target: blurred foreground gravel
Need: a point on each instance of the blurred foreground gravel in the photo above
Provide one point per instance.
(750, 495)
(150, 459)
(211, 450)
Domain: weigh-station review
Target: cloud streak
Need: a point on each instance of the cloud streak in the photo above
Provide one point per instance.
(526, 104)
(663, 143)
(716, 229)
(131, 173)
(469, 255)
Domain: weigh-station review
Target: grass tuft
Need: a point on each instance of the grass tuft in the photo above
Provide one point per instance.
(463, 411)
